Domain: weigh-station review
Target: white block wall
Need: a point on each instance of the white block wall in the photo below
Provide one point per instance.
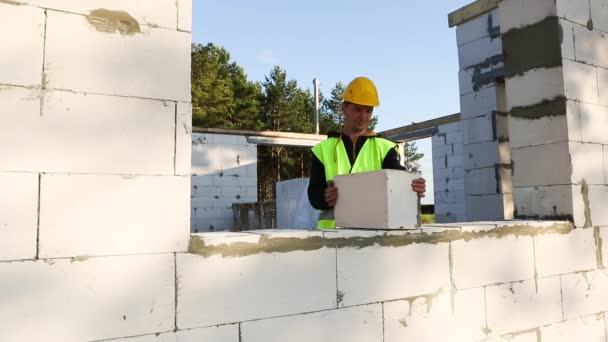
(483, 281)
(224, 171)
(95, 134)
(486, 184)
(570, 179)
(448, 173)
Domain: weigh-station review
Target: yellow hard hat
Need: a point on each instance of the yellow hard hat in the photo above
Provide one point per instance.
(361, 91)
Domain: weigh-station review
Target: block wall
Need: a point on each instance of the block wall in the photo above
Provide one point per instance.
(224, 171)
(487, 160)
(557, 107)
(448, 173)
(95, 138)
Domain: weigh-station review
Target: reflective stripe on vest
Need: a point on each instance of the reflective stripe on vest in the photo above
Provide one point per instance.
(334, 158)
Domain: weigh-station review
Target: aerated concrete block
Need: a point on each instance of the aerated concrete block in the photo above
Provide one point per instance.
(576, 11)
(356, 324)
(504, 259)
(479, 27)
(523, 305)
(478, 51)
(460, 315)
(234, 279)
(380, 199)
(565, 253)
(516, 14)
(87, 299)
(184, 13)
(580, 82)
(19, 217)
(21, 61)
(534, 86)
(599, 15)
(590, 46)
(585, 293)
(113, 215)
(101, 60)
(183, 139)
(554, 168)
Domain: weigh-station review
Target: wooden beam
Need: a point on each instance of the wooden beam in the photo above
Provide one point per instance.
(270, 134)
(471, 11)
(420, 126)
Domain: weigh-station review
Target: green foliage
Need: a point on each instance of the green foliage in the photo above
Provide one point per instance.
(221, 95)
(412, 156)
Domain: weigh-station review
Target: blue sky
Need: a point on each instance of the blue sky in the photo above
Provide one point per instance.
(405, 47)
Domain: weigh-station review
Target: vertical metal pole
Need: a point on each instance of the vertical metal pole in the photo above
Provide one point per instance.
(316, 94)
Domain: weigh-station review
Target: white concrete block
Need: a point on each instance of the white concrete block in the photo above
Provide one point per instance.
(486, 261)
(206, 191)
(18, 221)
(21, 64)
(374, 274)
(590, 45)
(602, 83)
(224, 179)
(565, 253)
(392, 203)
(567, 40)
(419, 319)
(523, 305)
(478, 103)
(166, 337)
(449, 127)
(576, 11)
(598, 197)
(478, 129)
(68, 145)
(183, 139)
(554, 168)
(478, 51)
(116, 64)
(489, 207)
(356, 324)
(486, 154)
(478, 27)
(546, 130)
(465, 81)
(521, 13)
(544, 201)
(110, 215)
(455, 212)
(599, 14)
(456, 184)
(160, 14)
(184, 13)
(87, 299)
(590, 328)
(249, 283)
(481, 181)
(580, 82)
(587, 163)
(585, 293)
(455, 172)
(535, 86)
(456, 196)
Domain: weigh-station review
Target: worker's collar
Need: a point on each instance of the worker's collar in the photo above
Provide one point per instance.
(338, 134)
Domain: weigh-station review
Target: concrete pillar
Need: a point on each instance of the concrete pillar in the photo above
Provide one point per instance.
(487, 160)
(555, 71)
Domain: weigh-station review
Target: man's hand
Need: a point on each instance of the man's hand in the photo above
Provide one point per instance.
(418, 186)
(331, 194)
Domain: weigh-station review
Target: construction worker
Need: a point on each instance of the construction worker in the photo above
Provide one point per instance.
(353, 149)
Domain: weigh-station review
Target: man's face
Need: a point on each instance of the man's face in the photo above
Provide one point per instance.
(357, 117)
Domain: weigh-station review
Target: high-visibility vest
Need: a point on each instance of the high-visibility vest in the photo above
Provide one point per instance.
(334, 158)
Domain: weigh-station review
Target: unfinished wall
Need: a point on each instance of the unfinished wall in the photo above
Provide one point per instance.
(556, 81)
(487, 160)
(95, 170)
(493, 281)
(224, 171)
(448, 173)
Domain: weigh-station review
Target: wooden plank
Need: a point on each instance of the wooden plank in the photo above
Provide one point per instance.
(471, 11)
(421, 125)
(270, 134)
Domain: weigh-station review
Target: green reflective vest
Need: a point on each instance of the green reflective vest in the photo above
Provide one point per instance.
(334, 158)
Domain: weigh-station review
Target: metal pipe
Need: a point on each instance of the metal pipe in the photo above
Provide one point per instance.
(316, 95)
